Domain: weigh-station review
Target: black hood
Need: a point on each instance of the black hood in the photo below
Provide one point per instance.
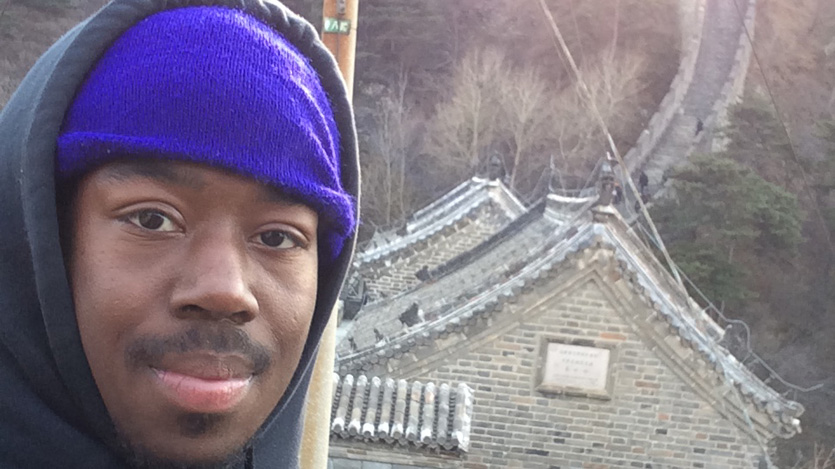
(51, 413)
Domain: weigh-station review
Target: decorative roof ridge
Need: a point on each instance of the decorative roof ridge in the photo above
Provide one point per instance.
(445, 211)
(474, 200)
(568, 241)
(570, 199)
(465, 258)
(539, 209)
(696, 329)
(505, 198)
(455, 193)
(564, 209)
(439, 211)
(389, 411)
(461, 261)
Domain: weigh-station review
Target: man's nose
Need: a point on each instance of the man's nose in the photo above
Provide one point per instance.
(214, 283)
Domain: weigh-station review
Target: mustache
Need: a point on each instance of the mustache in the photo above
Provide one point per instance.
(151, 349)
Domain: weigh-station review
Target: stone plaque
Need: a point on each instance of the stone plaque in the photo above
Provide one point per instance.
(575, 366)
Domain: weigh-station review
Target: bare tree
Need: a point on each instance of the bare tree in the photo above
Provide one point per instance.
(820, 459)
(392, 139)
(524, 113)
(464, 123)
(614, 84)
(494, 107)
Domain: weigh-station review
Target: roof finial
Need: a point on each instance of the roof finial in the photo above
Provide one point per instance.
(495, 168)
(606, 184)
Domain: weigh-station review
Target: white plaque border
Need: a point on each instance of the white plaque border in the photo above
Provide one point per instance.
(551, 390)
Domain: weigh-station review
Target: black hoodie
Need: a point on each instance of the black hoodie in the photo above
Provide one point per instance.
(51, 413)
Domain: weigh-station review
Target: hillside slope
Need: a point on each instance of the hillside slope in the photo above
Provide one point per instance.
(793, 319)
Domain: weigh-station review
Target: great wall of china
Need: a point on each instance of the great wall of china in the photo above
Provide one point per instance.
(714, 62)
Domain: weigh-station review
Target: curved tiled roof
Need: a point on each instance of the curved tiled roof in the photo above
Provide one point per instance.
(511, 246)
(393, 262)
(447, 210)
(531, 255)
(389, 411)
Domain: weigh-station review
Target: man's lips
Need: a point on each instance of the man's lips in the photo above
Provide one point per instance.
(204, 383)
(207, 366)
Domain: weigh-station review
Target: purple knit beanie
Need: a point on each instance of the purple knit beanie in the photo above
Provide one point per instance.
(216, 86)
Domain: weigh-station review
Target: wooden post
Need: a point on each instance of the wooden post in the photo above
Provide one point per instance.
(339, 33)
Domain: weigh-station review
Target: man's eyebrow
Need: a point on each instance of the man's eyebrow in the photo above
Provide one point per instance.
(158, 170)
(274, 195)
(170, 172)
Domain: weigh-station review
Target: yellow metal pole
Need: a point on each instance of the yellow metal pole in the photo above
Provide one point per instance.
(339, 33)
(317, 412)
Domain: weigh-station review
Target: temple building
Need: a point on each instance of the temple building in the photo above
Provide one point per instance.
(497, 336)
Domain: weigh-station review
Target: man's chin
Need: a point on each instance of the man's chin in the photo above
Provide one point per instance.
(139, 457)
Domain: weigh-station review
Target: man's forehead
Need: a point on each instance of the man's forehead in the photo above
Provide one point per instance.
(184, 174)
(157, 170)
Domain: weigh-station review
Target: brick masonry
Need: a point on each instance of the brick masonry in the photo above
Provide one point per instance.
(343, 463)
(367, 456)
(653, 419)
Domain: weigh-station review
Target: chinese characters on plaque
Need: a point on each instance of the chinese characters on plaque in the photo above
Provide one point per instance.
(576, 366)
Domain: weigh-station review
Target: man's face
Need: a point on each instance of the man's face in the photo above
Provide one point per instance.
(194, 290)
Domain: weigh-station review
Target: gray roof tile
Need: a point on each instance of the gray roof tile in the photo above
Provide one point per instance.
(450, 208)
(389, 411)
(513, 249)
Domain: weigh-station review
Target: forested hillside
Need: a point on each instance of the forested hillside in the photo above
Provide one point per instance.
(444, 88)
(753, 225)
(795, 81)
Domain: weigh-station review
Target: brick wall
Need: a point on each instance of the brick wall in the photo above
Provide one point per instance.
(354, 455)
(654, 418)
(345, 463)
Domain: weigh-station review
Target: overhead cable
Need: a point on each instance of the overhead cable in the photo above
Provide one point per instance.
(593, 105)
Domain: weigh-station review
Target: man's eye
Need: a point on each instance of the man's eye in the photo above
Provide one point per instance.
(278, 239)
(152, 220)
